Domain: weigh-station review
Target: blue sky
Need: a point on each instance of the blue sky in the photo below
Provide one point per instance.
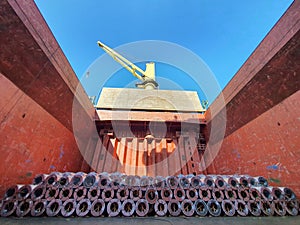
(223, 33)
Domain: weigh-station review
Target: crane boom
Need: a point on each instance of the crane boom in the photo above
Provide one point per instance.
(147, 77)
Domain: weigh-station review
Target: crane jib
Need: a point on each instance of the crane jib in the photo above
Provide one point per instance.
(147, 77)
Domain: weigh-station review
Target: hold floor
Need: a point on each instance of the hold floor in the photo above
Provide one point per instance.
(288, 220)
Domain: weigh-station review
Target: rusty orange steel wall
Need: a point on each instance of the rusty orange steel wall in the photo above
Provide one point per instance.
(262, 104)
(38, 87)
(269, 145)
(32, 140)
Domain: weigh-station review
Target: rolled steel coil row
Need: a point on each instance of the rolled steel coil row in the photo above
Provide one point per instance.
(116, 194)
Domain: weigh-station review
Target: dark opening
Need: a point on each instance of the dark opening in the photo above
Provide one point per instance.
(228, 207)
(161, 207)
(172, 182)
(187, 207)
(68, 207)
(39, 207)
(214, 207)
(220, 183)
(8, 207)
(103, 182)
(233, 183)
(192, 193)
(241, 207)
(209, 183)
(122, 193)
(255, 194)
(262, 181)
(63, 181)
(266, 207)
(79, 193)
(142, 207)
(114, 207)
(252, 182)
(94, 193)
(254, 207)
(90, 180)
(200, 206)
(243, 194)
(151, 195)
(278, 206)
(217, 194)
(230, 194)
(289, 193)
(179, 193)
(167, 193)
(277, 193)
(107, 194)
(76, 180)
(136, 193)
(51, 180)
(38, 192)
(245, 183)
(24, 207)
(54, 207)
(158, 184)
(97, 207)
(128, 207)
(196, 182)
(83, 207)
(51, 193)
(23, 192)
(66, 193)
(10, 192)
(38, 179)
(174, 206)
(266, 193)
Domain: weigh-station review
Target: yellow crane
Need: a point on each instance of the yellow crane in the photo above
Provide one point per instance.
(147, 77)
